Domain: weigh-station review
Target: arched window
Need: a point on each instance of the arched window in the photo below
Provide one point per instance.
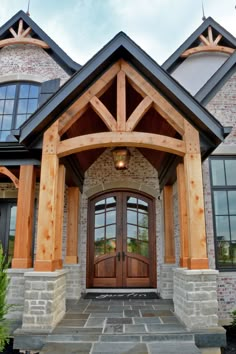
(17, 102)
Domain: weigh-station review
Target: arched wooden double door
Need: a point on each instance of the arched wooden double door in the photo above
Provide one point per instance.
(121, 241)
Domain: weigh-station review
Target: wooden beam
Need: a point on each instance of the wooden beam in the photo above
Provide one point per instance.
(26, 32)
(195, 203)
(103, 113)
(121, 101)
(204, 40)
(9, 174)
(68, 118)
(72, 225)
(59, 212)
(48, 210)
(20, 28)
(162, 106)
(207, 48)
(218, 38)
(183, 220)
(13, 32)
(109, 139)
(169, 225)
(22, 40)
(24, 219)
(210, 35)
(138, 113)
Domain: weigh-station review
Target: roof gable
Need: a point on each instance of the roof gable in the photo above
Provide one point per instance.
(11, 26)
(227, 40)
(122, 47)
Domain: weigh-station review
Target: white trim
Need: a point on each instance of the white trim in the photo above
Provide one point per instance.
(225, 150)
(22, 77)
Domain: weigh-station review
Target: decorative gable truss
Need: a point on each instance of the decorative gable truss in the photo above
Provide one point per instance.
(22, 36)
(208, 44)
(121, 128)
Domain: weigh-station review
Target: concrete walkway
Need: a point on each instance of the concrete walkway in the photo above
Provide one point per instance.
(116, 326)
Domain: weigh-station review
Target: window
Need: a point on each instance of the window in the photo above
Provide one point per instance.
(8, 226)
(223, 181)
(17, 102)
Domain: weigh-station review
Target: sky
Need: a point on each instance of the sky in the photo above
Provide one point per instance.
(82, 27)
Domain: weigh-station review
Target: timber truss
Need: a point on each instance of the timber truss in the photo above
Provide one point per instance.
(208, 44)
(22, 36)
(121, 128)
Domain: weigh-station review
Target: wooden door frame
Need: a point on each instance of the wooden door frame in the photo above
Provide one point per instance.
(152, 230)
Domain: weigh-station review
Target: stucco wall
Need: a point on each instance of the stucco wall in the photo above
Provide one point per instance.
(101, 176)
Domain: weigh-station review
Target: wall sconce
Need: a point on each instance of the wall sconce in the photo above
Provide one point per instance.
(121, 156)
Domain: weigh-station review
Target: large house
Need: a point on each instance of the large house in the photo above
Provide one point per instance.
(118, 174)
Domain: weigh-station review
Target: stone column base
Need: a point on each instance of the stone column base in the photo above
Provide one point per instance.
(73, 281)
(195, 297)
(45, 300)
(166, 281)
(16, 292)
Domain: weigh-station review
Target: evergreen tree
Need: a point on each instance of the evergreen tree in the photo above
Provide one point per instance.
(4, 327)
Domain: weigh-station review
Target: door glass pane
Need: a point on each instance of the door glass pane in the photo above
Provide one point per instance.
(142, 205)
(111, 217)
(132, 203)
(99, 234)
(100, 206)
(131, 231)
(143, 234)
(230, 168)
(111, 231)
(218, 174)
(220, 200)
(143, 220)
(110, 246)
(99, 248)
(131, 217)
(110, 203)
(132, 245)
(99, 220)
(144, 249)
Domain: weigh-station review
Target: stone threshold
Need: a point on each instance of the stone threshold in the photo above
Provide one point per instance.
(120, 290)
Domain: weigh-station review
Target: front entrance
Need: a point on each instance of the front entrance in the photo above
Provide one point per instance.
(121, 242)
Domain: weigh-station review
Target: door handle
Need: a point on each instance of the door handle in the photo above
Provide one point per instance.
(123, 255)
(118, 256)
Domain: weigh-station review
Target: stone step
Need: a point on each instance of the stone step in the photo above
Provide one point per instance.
(116, 338)
(120, 348)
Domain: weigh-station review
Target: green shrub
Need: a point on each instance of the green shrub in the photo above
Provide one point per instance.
(4, 326)
(233, 315)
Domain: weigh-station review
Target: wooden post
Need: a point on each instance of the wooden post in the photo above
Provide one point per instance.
(49, 237)
(183, 222)
(169, 225)
(72, 225)
(195, 204)
(24, 218)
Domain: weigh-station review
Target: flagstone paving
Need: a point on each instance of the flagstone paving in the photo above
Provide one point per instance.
(120, 326)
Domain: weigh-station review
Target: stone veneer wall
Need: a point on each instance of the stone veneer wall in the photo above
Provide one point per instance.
(102, 174)
(30, 60)
(223, 107)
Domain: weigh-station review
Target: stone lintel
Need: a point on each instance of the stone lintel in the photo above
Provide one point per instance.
(55, 274)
